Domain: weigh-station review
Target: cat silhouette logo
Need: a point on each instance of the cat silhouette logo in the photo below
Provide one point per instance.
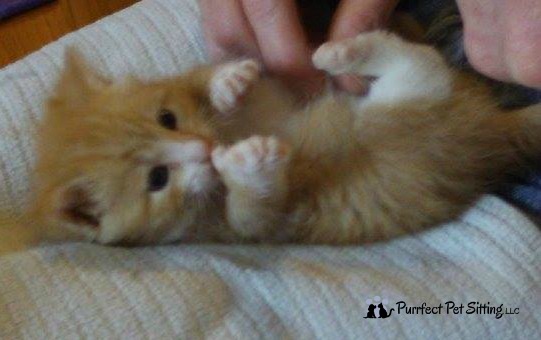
(381, 310)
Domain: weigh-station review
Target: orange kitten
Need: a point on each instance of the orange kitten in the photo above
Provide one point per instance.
(218, 154)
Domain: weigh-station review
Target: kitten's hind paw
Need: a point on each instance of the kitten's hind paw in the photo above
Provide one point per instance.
(231, 82)
(257, 164)
(339, 57)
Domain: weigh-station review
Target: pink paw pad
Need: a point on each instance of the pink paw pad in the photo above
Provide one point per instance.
(255, 162)
(337, 57)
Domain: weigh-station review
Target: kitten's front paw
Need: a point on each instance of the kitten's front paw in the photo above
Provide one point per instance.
(257, 163)
(340, 57)
(231, 82)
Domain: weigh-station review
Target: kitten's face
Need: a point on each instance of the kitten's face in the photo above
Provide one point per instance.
(123, 163)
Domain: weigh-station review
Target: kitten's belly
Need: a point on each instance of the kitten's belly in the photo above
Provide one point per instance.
(269, 110)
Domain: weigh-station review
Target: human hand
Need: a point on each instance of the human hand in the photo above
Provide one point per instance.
(269, 30)
(502, 39)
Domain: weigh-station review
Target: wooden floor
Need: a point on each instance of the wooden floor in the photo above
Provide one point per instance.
(30, 31)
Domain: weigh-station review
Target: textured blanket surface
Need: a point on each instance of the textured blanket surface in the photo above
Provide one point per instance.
(491, 255)
(297, 292)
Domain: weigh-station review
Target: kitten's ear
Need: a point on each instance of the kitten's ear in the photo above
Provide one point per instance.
(78, 205)
(78, 80)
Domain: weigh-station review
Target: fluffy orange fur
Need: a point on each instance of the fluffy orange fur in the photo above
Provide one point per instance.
(417, 151)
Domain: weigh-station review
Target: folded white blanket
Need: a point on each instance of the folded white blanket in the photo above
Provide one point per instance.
(492, 255)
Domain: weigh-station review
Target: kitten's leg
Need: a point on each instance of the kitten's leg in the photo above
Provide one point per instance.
(254, 171)
(224, 85)
(403, 70)
(230, 82)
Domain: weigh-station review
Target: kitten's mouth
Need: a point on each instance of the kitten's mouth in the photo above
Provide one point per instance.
(199, 177)
(192, 159)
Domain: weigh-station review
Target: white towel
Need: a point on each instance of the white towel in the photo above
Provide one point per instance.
(492, 255)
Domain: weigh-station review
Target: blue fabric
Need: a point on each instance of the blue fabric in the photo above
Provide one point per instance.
(524, 191)
(527, 195)
(10, 8)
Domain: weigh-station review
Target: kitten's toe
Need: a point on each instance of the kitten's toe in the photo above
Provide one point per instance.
(339, 57)
(217, 157)
(261, 153)
(257, 163)
(231, 82)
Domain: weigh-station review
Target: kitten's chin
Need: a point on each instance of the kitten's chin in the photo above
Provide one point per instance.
(199, 178)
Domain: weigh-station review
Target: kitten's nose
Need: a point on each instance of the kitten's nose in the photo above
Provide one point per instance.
(188, 151)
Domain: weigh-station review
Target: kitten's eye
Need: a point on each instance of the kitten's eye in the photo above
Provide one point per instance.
(167, 119)
(158, 178)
